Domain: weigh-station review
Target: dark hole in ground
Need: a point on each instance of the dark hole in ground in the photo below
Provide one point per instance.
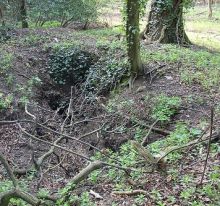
(57, 102)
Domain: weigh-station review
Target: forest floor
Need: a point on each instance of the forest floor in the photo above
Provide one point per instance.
(170, 106)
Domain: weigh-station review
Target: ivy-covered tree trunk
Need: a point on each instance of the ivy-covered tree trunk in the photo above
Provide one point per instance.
(133, 37)
(23, 12)
(165, 22)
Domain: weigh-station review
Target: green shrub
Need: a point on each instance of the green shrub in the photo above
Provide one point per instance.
(105, 74)
(70, 66)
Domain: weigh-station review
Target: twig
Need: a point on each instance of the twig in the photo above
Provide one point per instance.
(52, 144)
(155, 129)
(58, 133)
(26, 110)
(187, 152)
(148, 133)
(209, 144)
(126, 169)
(89, 133)
(69, 111)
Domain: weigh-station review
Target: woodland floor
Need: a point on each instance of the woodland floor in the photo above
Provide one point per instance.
(173, 74)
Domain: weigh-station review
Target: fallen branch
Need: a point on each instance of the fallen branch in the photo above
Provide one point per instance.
(48, 153)
(51, 144)
(126, 169)
(132, 192)
(16, 192)
(143, 152)
(64, 135)
(83, 174)
(155, 162)
(194, 142)
(9, 170)
(155, 129)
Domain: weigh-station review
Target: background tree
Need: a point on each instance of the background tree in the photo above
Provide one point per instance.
(56, 11)
(64, 11)
(23, 13)
(165, 22)
(133, 37)
(2, 15)
(210, 8)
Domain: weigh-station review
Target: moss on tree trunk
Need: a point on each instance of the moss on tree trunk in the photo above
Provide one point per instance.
(23, 12)
(165, 23)
(133, 38)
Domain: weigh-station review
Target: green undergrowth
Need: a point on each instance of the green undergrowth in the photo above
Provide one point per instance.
(195, 65)
(128, 157)
(164, 107)
(5, 101)
(158, 107)
(6, 59)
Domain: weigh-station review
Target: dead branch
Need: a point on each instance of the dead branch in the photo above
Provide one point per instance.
(16, 192)
(145, 140)
(51, 144)
(72, 152)
(154, 162)
(141, 123)
(183, 159)
(133, 192)
(48, 153)
(86, 171)
(69, 111)
(82, 175)
(209, 144)
(194, 142)
(27, 112)
(155, 129)
(9, 170)
(89, 133)
(143, 152)
(64, 135)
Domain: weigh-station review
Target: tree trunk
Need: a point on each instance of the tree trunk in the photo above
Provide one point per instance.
(2, 16)
(210, 8)
(133, 38)
(165, 23)
(23, 12)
